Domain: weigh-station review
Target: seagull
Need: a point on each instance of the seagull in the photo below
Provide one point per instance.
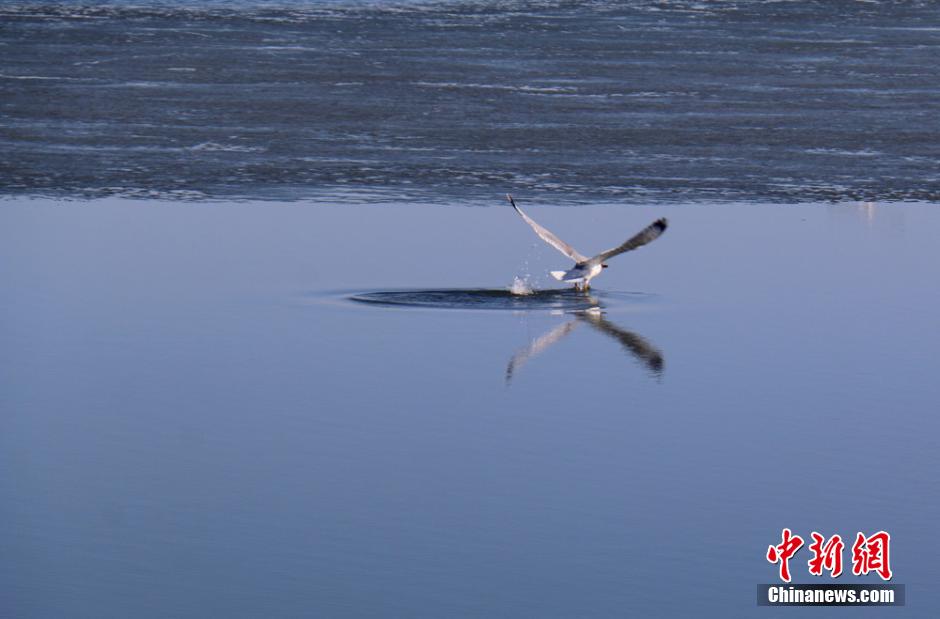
(586, 269)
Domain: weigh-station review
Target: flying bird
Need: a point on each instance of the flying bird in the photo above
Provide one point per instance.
(586, 269)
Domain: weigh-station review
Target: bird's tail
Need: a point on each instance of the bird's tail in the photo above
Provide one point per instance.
(559, 275)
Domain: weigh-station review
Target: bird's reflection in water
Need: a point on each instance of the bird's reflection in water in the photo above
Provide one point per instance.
(647, 354)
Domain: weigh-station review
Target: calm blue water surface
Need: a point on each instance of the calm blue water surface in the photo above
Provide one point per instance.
(198, 421)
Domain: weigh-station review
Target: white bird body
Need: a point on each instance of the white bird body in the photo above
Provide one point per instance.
(585, 269)
(580, 274)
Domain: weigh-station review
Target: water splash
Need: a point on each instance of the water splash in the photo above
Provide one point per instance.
(520, 286)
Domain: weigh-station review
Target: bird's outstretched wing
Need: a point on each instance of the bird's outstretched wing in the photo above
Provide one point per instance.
(547, 235)
(645, 352)
(648, 234)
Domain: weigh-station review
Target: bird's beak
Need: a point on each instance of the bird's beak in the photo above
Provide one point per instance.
(604, 265)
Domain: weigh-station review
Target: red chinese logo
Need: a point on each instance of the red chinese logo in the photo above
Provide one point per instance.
(828, 556)
(782, 553)
(869, 554)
